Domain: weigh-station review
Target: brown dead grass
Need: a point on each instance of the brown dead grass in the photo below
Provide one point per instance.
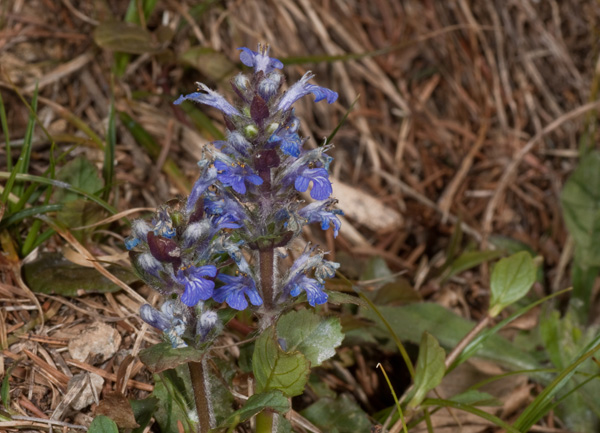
(472, 113)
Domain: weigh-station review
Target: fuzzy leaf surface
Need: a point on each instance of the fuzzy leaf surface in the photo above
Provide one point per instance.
(275, 369)
(316, 337)
(163, 356)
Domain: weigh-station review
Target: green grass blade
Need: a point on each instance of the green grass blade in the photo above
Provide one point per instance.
(4, 123)
(473, 410)
(108, 167)
(8, 188)
(543, 402)
(145, 139)
(40, 239)
(401, 347)
(22, 165)
(200, 120)
(57, 183)
(339, 125)
(398, 407)
(137, 7)
(474, 345)
(26, 213)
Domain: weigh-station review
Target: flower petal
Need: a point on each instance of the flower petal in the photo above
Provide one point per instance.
(259, 61)
(210, 97)
(302, 88)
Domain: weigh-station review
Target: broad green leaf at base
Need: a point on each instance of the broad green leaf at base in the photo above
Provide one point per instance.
(430, 368)
(275, 369)
(316, 337)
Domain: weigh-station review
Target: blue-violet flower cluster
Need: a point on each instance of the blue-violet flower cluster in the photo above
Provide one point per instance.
(215, 246)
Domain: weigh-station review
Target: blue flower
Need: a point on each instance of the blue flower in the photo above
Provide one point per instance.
(288, 139)
(320, 178)
(197, 288)
(302, 88)
(260, 61)
(223, 205)
(236, 175)
(208, 175)
(235, 290)
(139, 232)
(321, 212)
(314, 290)
(163, 225)
(236, 144)
(170, 319)
(154, 318)
(210, 97)
(325, 269)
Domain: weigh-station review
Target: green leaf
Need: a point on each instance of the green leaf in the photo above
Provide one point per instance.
(398, 292)
(341, 415)
(544, 401)
(583, 279)
(124, 37)
(470, 259)
(564, 339)
(512, 278)
(338, 298)
(173, 390)
(52, 274)
(79, 173)
(273, 400)
(311, 334)
(410, 321)
(163, 356)
(430, 368)
(510, 245)
(580, 200)
(103, 424)
(283, 425)
(212, 64)
(79, 213)
(377, 269)
(143, 411)
(275, 369)
(473, 397)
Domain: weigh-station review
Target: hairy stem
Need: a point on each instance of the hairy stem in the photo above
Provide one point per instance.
(201, 395)
(267, 278)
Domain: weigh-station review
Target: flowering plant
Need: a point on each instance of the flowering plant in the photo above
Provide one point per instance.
(222, 245)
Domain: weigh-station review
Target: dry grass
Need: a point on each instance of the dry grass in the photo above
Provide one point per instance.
(468, 111)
